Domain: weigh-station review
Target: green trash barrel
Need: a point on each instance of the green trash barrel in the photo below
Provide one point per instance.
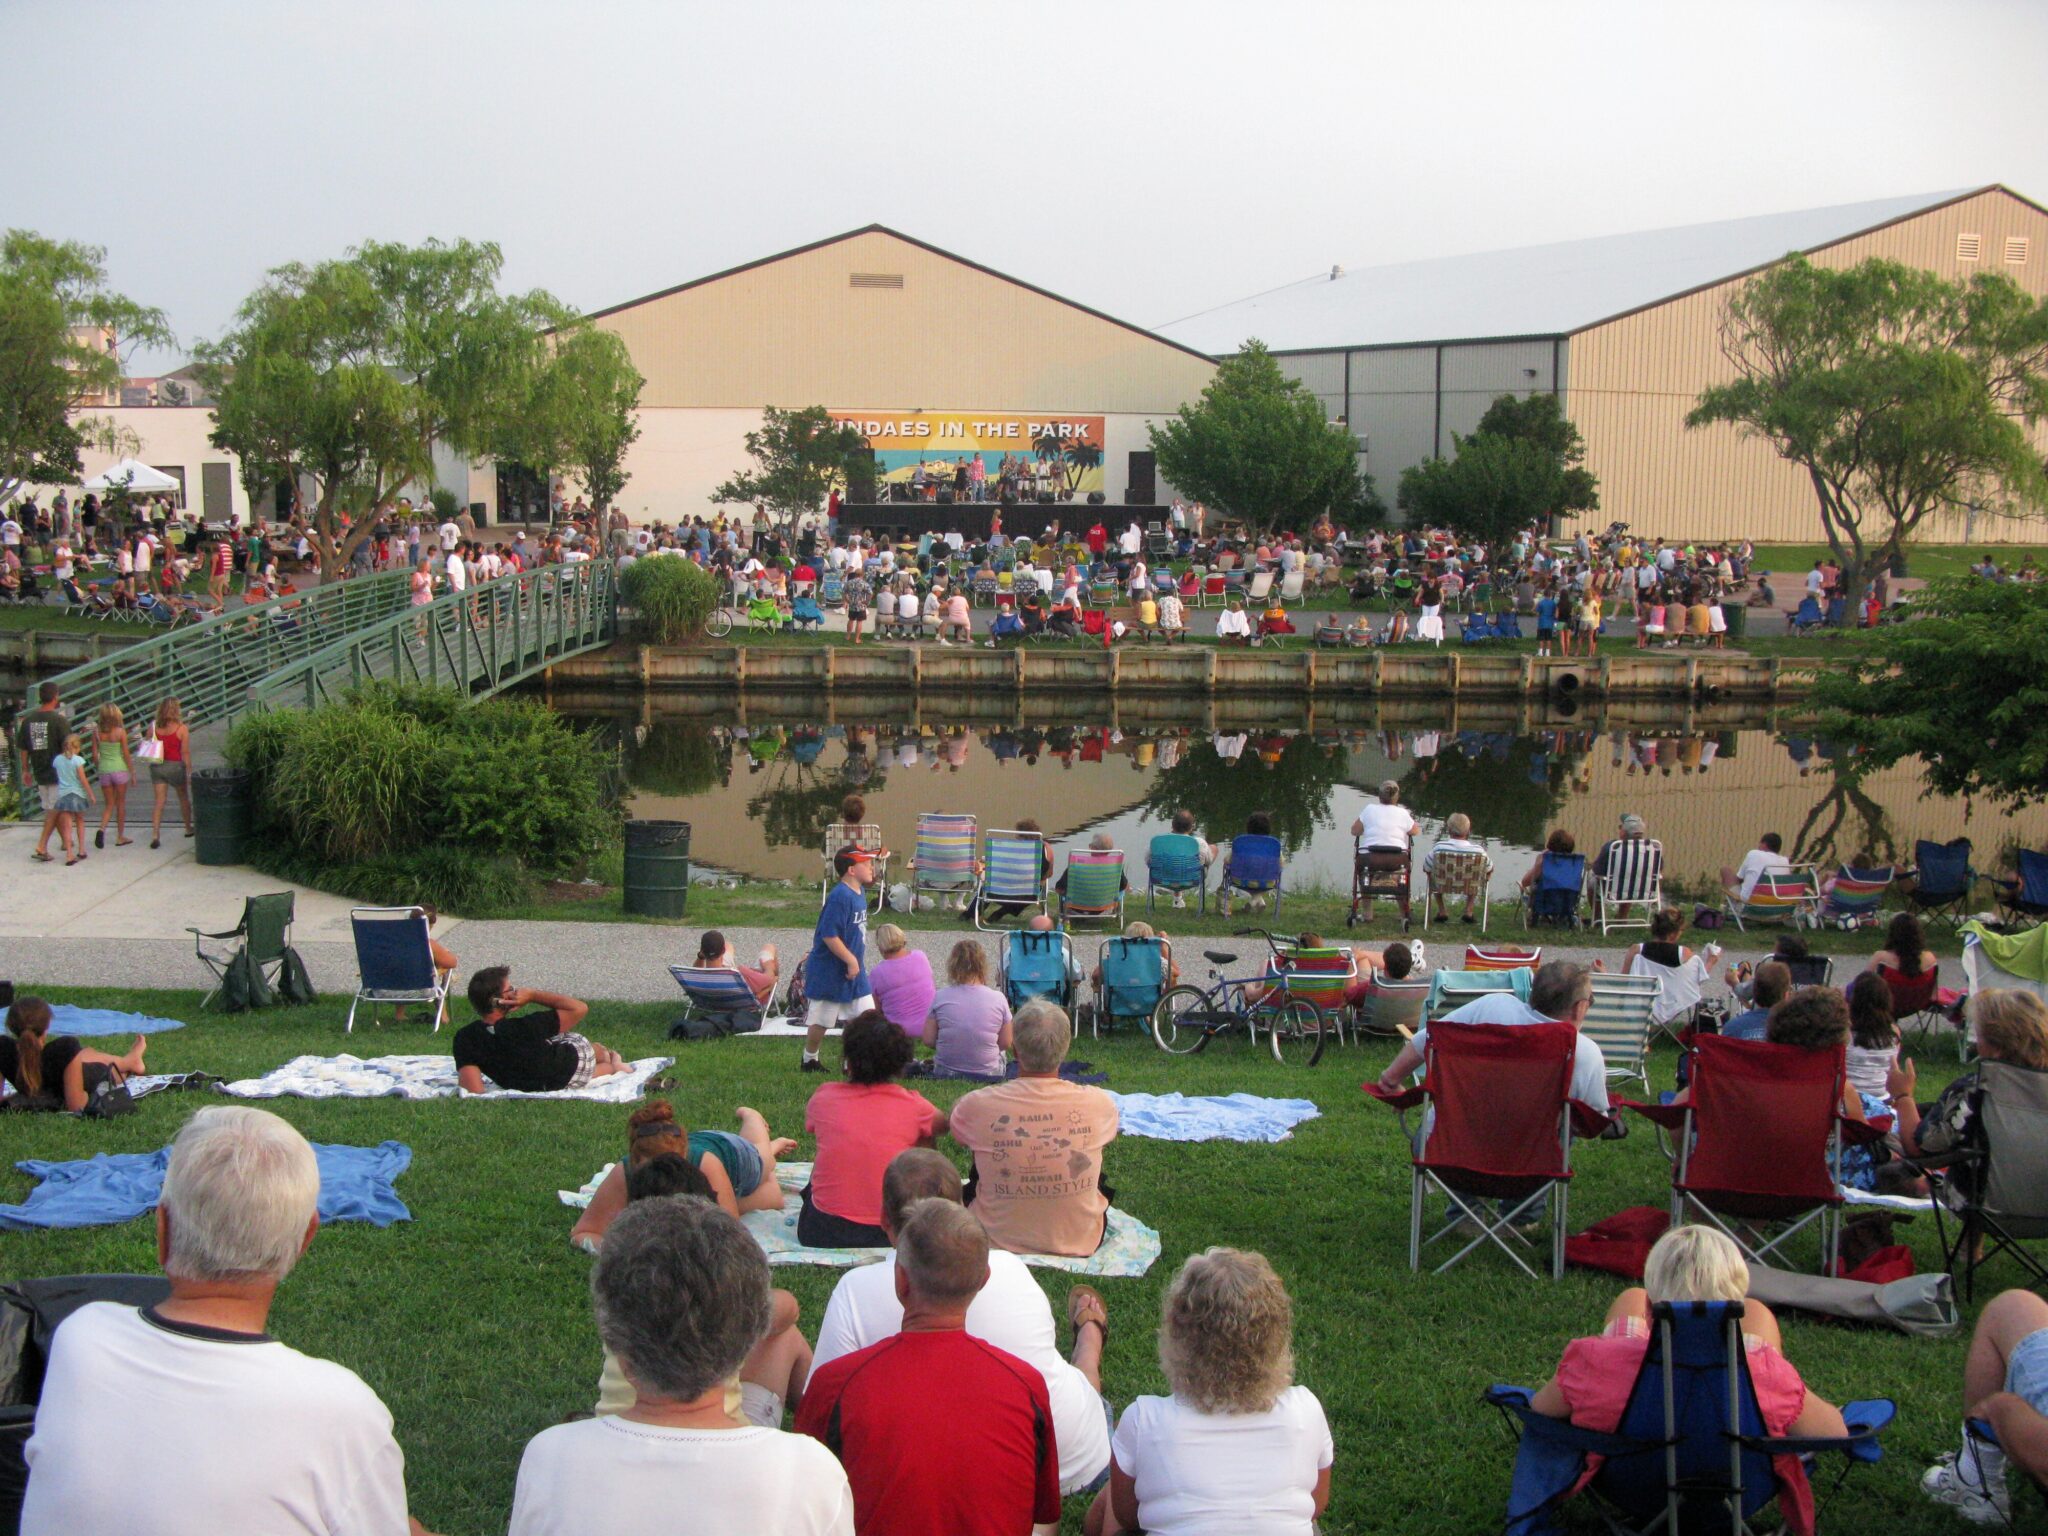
(657, 868)
(1738, 619)
(220, 815)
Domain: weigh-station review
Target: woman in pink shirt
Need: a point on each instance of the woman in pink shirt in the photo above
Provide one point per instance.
(713, 950)
(957, 625)
(861, 1124)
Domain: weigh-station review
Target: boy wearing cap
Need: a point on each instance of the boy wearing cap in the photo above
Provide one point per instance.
(836, 971)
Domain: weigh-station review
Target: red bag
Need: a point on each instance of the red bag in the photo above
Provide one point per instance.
(1879, 1268)
(1619, 1244)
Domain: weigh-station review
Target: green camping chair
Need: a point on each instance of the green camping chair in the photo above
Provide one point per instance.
(265, 935)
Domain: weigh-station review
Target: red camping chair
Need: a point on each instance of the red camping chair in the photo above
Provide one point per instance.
(1092, 621)
(1919, 1002)
(1760, 1141)
(1497, 1136)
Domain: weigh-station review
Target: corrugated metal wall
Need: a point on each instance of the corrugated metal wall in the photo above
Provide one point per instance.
(1634, 379)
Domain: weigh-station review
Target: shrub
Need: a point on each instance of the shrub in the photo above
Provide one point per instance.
(672, 598)
(445, 504)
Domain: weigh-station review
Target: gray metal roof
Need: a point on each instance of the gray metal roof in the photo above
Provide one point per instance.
(1538, 290)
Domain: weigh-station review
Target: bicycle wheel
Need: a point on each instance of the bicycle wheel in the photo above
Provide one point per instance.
(719, 625)
(1179, 1022)
(1296, 1032)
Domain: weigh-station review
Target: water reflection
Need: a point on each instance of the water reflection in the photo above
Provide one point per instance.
(759, 779)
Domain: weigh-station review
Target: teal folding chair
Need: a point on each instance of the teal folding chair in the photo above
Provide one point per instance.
(1012, 877)
(1094, 889)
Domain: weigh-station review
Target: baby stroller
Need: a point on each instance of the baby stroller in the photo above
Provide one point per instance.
(1038, 965)
(1379, 874)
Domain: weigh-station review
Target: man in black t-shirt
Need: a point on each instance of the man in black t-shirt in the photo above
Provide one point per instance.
(536, 1052)
(39, 735)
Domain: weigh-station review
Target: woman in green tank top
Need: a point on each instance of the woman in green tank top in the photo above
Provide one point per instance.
(110, 759)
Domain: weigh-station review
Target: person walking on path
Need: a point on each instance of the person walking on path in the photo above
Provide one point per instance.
(171, 768)
(39, 738)
(110, 757)
(836, 970)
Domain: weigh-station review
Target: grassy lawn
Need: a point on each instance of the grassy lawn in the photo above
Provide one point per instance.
(472, 1320)
(1922, 560)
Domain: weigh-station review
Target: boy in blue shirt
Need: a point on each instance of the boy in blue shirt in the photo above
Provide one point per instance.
(836, 970)
(1546, 621)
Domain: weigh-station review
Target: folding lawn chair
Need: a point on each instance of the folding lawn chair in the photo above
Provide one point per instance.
(1133, 981)
(395, 961)
(1173, 863)
(1476, 629)
(265, 932)
(1393, 1007)
(1942, 878)
(1477, 959)
(1691, 1452)
(1452, 873)
(1291, 586)
(1996, 1193)
(942, 865)
(1252, 867)
(866, 836)
(1259, 588)
(1851, 898)
(1807, 616)
(1012, 876)
(1379, 874)
(805, 614)
(1319, 977)
(1811, 970)
(1759, 1140)
(1094, 888)
(1919, 1002)
(1497, 1136)
(1034, 965)
(2026, 896)
(1792, 896)
(718, 993)
(832, 590)
(1215, 588)
(1679, 991)
(1634, 878)
(1452, 990)
(1555, 896)
(1620, 1021)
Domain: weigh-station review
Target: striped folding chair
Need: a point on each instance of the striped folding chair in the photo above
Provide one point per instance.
(943, 864)
(1320, 977)
(1477, 959)
(1012, 877)
(1792, 897)
(1852, 896)
(1393, 1007)
(1452, 990)
(1094, 889)
(1620, 1021)
(719, 992)
(1173, 863)
(1634, 879)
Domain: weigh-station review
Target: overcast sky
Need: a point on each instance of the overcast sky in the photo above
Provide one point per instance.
(1149, 159)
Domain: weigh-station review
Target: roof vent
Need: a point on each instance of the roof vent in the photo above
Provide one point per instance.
(1969, 247)
(1335, 273)
(2015, 250)
(874, 280)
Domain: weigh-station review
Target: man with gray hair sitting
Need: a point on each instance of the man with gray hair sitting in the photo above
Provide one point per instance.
(1037, 1142)
(681, 1295)
(993, 1469)
(1010, 1312)
(1457, 876)
(186, 1416)
(1561, 991)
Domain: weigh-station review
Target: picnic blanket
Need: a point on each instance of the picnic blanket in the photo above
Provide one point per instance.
(69, 1019)
(1128, 1248)
(1225, 1117)
(355, 1185)
(419, 1077)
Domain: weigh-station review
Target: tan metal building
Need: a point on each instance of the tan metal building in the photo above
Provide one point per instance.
(1625, 330)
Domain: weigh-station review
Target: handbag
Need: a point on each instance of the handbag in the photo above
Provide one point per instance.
(150, 751)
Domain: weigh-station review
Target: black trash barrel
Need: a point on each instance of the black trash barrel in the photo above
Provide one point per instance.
(657, 868)
(1738, 619)
(220, 815)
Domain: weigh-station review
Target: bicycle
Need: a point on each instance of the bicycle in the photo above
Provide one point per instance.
(720, 623)
(1188, 1017)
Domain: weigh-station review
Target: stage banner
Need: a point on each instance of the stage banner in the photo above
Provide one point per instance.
(1060, 454)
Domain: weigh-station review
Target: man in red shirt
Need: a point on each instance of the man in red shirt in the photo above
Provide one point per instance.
(998, 1472)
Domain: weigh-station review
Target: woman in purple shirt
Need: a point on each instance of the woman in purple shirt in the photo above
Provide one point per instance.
(970, 1021)
(902, 981)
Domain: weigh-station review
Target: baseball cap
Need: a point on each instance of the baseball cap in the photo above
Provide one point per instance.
(849, 856)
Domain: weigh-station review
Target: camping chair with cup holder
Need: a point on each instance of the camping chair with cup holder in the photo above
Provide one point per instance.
(1942, 879)
(258, 962)
(1037, 965)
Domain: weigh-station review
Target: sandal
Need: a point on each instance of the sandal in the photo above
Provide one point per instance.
(1084, 1306)
(41, 858)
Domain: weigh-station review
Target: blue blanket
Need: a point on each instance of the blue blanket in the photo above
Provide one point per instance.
(68, 1019)
(1230, 1117)
(355, 1185)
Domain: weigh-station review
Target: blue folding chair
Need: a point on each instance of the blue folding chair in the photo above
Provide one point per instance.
(1133, 981)
(832, 590)
(1506, 626)
(395, 961)
(1555, 896)
(804, 613)
(1807, 616)
(1252, 868)
(1173, 863)
(718, 992)
(1943, 878)
(1691, 1452)
(1038, 965)
(1452, 990)
(2028, 895)
(1476, 628)
(1012, 877)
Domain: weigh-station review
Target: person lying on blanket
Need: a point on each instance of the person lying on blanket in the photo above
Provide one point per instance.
(537, 1052)
(740, 1169)
(56, 1071)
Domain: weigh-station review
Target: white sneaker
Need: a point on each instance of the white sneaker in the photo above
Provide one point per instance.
(1180, 901)
(1258, 903)
(1946, 1483)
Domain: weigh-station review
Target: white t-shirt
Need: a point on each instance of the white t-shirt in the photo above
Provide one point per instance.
(458, 574)
(1755, 864)
(151, 1429)
(451, 535)
(599, 1477)
(1384, 826)
(1589, 1062)
(1225, 1474)
(10, 532)
(1011, 1313)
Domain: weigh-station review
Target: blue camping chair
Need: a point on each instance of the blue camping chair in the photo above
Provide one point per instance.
(1506, 626)
(395, 961)
(1807, 616)
(1012, 877)
(1690, 1453)
(804, 613)
(1133, 981)
(1556, 894)
(719, 993)
(1943, 878)
(1476, 628)
(2028, 895)
(1252, 868)
(1452, 990)
(832, 590)
(1173, 863)
(1038, 965)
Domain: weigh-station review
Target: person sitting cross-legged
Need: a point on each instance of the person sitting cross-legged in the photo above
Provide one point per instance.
(1011, 1312)
(2005, 1384)
(681, 1294)
(861, 1124)
(537, 1052)
(187, 1416)
(997, 1472)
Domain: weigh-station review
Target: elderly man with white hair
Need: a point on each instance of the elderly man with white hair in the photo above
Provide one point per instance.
(186, 1418)
(1448, 880)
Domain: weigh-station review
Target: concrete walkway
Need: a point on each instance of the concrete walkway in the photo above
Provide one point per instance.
(119, 920)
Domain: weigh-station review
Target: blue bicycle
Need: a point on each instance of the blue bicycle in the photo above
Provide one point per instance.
(1189, 1017)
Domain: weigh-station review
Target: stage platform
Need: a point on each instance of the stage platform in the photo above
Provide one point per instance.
(970, 519)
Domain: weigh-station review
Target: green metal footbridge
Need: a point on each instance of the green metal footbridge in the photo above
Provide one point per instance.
(311, 646)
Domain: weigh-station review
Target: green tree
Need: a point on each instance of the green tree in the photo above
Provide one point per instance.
(1258, 446)
(1540, 419)
(1523, 464)
(1901, 394)
(1293, 788)
(799, 456)
(1964, 688)
(64, 336)
(579, 415)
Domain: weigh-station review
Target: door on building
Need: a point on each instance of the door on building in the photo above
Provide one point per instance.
(1141, 489)
(217, 493)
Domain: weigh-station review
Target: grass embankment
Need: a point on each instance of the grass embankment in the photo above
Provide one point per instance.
(1923, 561)
(472, 1321)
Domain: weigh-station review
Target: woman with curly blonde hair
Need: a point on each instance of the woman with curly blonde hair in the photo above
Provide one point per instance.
(1238, 1445)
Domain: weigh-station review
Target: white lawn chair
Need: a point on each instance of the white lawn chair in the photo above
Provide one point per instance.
(1634, 878)
(1620, 1021)
(1259, 588)
(1291, 585)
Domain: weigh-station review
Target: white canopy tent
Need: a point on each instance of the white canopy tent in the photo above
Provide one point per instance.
(137, 476)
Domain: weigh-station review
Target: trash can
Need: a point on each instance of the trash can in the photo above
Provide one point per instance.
(220, 815)
(1738, 619)
(657, 868)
